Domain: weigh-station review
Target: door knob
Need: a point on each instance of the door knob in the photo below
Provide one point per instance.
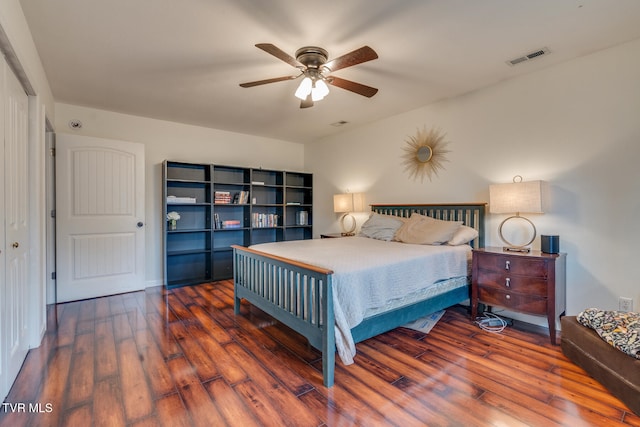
(15, 244)
(140, 224)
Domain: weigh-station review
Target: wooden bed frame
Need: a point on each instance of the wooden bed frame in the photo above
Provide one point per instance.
(300, 295)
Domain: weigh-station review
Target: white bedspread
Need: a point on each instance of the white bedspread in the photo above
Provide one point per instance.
(368, 273)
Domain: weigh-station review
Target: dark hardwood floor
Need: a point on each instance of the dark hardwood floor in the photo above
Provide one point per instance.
(181, 358)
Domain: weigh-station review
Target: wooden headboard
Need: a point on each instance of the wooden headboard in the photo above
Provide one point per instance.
(471, 214)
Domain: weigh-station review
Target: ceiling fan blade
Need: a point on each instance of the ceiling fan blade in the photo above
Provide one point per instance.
(279, 53)
(358, 56)
(358, 88)
(264, 82)
(307, 102)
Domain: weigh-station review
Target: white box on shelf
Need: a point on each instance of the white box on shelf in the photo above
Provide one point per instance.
(174, 199)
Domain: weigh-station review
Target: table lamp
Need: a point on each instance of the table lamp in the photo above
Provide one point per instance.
(347, 203)
(515, 198)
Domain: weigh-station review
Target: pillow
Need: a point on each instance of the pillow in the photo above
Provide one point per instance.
(381, 227)
(618, 328)
(424, 230)
(463, 235)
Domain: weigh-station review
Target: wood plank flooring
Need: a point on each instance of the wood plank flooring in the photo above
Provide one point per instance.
(181, 358)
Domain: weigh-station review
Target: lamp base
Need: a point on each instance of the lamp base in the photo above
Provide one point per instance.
(350, 230)
(516, 249)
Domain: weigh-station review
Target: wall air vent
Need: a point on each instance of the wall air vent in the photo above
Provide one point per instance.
(532, 55)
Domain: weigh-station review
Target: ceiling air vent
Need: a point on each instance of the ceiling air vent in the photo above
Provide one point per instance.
(535, 54)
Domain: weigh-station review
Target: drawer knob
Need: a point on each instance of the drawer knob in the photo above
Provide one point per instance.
(507, 282)
(507, 265)
(508, 297)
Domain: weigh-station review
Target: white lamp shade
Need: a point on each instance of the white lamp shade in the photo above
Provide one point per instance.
(348, 202)
(358, 202)
(516, 197)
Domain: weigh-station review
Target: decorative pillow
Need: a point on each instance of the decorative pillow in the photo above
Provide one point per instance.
(463, 235)
(620, 329)
(424, 230)
(381, 227)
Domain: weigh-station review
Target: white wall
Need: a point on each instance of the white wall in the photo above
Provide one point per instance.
(575, 125)
(175, 141)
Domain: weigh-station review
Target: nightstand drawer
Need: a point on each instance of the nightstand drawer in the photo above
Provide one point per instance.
(513, 301)
(511, 282)
(513, 264)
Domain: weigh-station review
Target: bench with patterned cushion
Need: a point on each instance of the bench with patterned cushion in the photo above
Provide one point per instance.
(617, 371)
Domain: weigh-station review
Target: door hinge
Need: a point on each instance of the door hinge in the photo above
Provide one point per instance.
(53, 213)
(53, 275)
(52, 152)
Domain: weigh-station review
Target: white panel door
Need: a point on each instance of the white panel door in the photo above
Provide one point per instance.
(16, 229)
(99, 217)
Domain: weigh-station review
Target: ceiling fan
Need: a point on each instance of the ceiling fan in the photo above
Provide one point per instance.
(315, 68)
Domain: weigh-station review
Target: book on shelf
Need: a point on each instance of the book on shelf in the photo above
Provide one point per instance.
(241, 198)
(263, 220)
(231, 223)
(222, 197)
(176, 199)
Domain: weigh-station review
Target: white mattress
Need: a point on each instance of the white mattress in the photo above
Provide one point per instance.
(370, 274)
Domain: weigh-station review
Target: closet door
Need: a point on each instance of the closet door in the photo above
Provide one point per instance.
(4, 388)
(13, 314)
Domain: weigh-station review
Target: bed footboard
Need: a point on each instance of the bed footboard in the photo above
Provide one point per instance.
(297, 294)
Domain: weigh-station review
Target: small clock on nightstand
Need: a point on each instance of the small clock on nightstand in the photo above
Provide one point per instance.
(531, 283)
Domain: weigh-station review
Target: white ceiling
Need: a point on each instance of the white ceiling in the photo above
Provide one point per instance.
(182, 60)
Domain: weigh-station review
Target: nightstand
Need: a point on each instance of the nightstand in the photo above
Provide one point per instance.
(334, 235)
(530, 283)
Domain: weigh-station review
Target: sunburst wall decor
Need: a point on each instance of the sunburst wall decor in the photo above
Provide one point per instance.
(425, 153)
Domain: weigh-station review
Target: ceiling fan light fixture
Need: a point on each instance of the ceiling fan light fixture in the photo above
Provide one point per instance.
(312, 64)
(316, 95)
(319, 90)
(304, 89)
